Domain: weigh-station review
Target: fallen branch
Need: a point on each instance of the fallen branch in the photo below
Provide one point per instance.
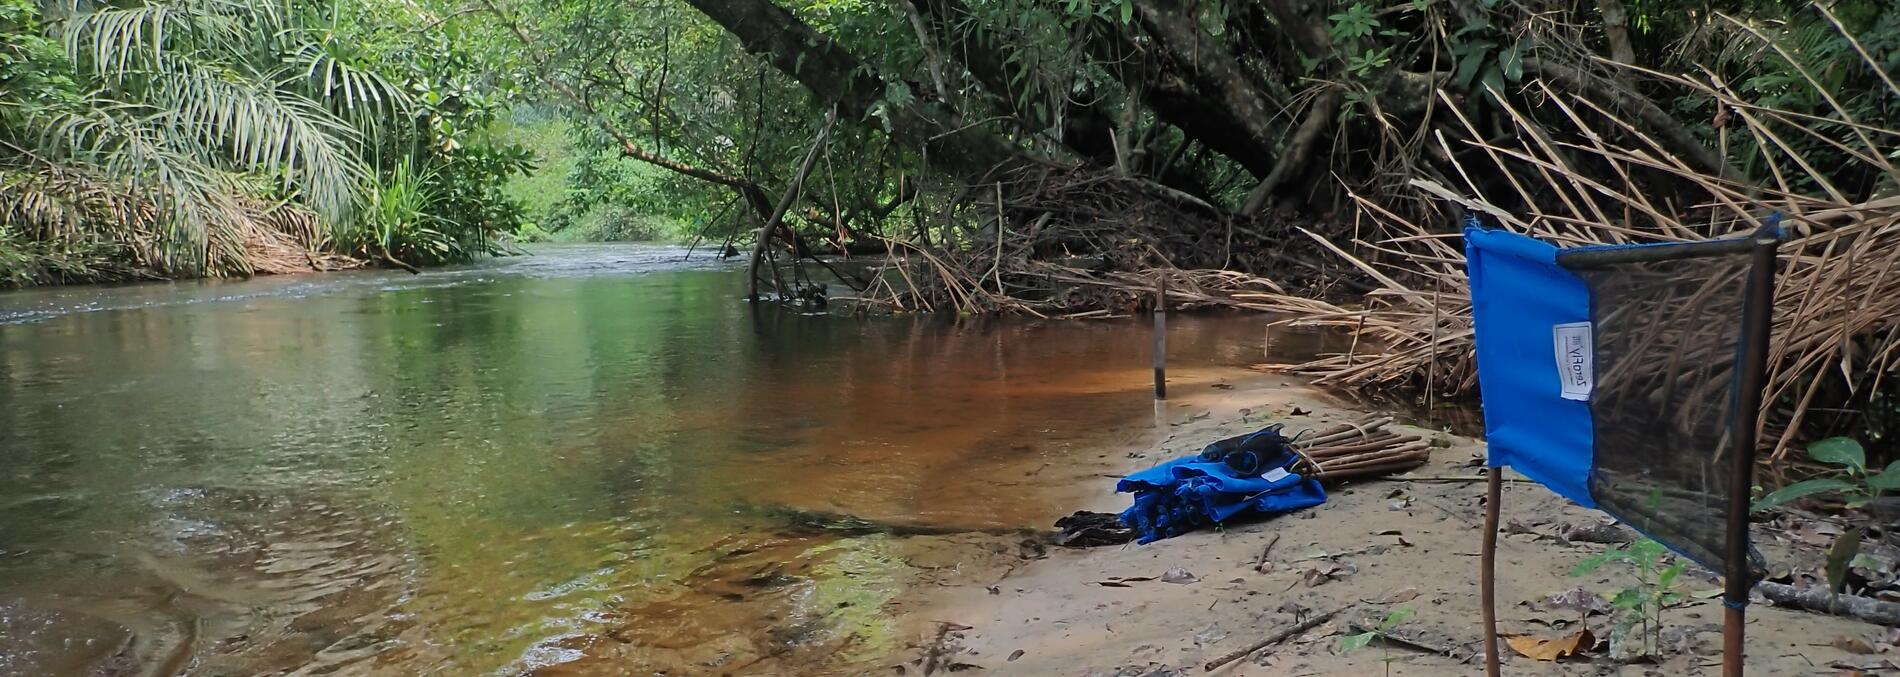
(1413, 644)
(1276, 638)
(1821, 600)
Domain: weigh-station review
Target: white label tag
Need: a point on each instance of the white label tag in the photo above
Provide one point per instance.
(1576, 355)
(1275, 475)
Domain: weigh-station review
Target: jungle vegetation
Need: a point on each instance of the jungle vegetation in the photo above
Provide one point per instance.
(232, 137)
(190, 137)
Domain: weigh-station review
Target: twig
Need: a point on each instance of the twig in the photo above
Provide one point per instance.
(1475, 478)
(1275, 638)
(1265, 552)
(1414, 644)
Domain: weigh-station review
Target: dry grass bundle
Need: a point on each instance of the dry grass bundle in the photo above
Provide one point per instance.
(284, 239)
(74, 210)
(1837, 301)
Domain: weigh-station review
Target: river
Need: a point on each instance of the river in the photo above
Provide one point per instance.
(590, 460)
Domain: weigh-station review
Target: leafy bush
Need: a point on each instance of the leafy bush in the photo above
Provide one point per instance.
(193, 110)
(1849, 477)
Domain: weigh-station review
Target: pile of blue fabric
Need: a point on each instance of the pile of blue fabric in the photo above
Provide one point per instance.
(1245, 475)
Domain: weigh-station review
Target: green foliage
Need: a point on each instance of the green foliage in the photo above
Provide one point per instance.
(1849, 478)
(1355, 642)
(1356, 22)
(538, 190)
(610, 198)
(1791, 56)
(1636, 610)
(33, 68)
(1852, 482)
(205, 112)
(400, 221)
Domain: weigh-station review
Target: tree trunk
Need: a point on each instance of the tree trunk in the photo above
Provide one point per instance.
(928, 43)
(1616, 29)
(1319, 118)
(1210, 67)
(1175, 99)
(1085, 129)
(764, 238)
(836, 77)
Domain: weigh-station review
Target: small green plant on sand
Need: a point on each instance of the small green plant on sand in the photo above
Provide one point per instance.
(1636, 610)
(1851, 481)
(1351, 643)
(1849, 478)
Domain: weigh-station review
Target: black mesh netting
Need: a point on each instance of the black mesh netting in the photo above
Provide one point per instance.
(1667, 335)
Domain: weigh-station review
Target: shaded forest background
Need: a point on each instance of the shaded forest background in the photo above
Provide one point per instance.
(159, 138)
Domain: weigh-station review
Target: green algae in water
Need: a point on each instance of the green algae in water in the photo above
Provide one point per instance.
(852, 587)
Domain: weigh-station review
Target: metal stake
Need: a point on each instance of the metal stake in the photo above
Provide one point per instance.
(1488, 567)
(1751, 367)
(1161, 336)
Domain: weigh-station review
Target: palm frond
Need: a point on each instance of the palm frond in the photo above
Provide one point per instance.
(250, 122)
(116, 41)
(322, 71)
(120, 140)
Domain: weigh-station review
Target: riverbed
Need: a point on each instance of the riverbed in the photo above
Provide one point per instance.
(592, 459)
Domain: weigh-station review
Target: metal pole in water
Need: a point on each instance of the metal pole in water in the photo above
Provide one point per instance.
(1751, 368)
(1161, 336)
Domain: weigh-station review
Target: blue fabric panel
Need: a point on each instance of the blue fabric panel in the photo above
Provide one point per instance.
(1518, 296)
(1187, 493)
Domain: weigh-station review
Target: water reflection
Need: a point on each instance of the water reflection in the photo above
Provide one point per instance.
(581, 461)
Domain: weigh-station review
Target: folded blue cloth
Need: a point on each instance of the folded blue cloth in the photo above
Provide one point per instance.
(1190, 492)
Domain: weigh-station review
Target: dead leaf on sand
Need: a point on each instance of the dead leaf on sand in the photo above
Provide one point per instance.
(1551, 649)
(1314, 577)
(1853, 645)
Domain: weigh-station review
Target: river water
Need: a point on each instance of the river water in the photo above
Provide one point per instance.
(596, 459)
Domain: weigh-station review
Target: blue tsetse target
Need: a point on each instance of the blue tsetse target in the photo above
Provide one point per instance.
(1612, 375)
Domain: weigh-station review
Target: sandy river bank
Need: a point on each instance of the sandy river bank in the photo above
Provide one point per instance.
(1373, 547)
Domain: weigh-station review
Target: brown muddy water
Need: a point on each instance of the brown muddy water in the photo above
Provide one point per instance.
(593, 460)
